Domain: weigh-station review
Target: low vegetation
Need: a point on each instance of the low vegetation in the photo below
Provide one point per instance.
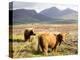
(19, 48)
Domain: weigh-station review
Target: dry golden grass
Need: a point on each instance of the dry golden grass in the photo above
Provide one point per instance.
(29, 49)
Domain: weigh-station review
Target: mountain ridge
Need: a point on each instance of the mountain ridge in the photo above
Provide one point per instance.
(31, 16)
(58, 13)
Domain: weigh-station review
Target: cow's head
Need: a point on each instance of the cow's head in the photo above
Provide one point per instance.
(31, 32)
(61, 37)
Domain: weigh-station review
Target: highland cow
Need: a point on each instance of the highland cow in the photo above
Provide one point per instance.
(47, 40)
(50, 40)
(27, 34)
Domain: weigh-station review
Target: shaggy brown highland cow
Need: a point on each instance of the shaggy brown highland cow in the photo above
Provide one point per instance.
(50, 40)
(47, 40)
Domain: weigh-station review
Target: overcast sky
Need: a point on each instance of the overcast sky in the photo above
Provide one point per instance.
(41, 6)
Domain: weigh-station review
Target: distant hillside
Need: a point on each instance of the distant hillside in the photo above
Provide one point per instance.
(50, 12)
(72, 16)
(54, 12)
(68, 14)
(28, 16)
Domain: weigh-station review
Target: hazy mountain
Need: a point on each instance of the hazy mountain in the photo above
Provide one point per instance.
(22, 13)
(68, 14)
(51, 12)
(67, 11)
(28, 16)
(72, 16)
(54, 12)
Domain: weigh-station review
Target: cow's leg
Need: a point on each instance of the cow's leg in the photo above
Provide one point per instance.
(38, 49)
(54, 49)
(45, 49)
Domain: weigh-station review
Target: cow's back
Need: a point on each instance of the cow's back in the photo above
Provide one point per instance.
(47, 39)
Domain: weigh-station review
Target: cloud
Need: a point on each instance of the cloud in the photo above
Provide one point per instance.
(40, 6)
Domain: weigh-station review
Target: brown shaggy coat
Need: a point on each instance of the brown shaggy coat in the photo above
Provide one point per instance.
(50, 40)
(27, 34)
(47, 40)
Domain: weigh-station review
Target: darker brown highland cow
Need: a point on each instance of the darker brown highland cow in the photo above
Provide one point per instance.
(49, 40)
(27, 34)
